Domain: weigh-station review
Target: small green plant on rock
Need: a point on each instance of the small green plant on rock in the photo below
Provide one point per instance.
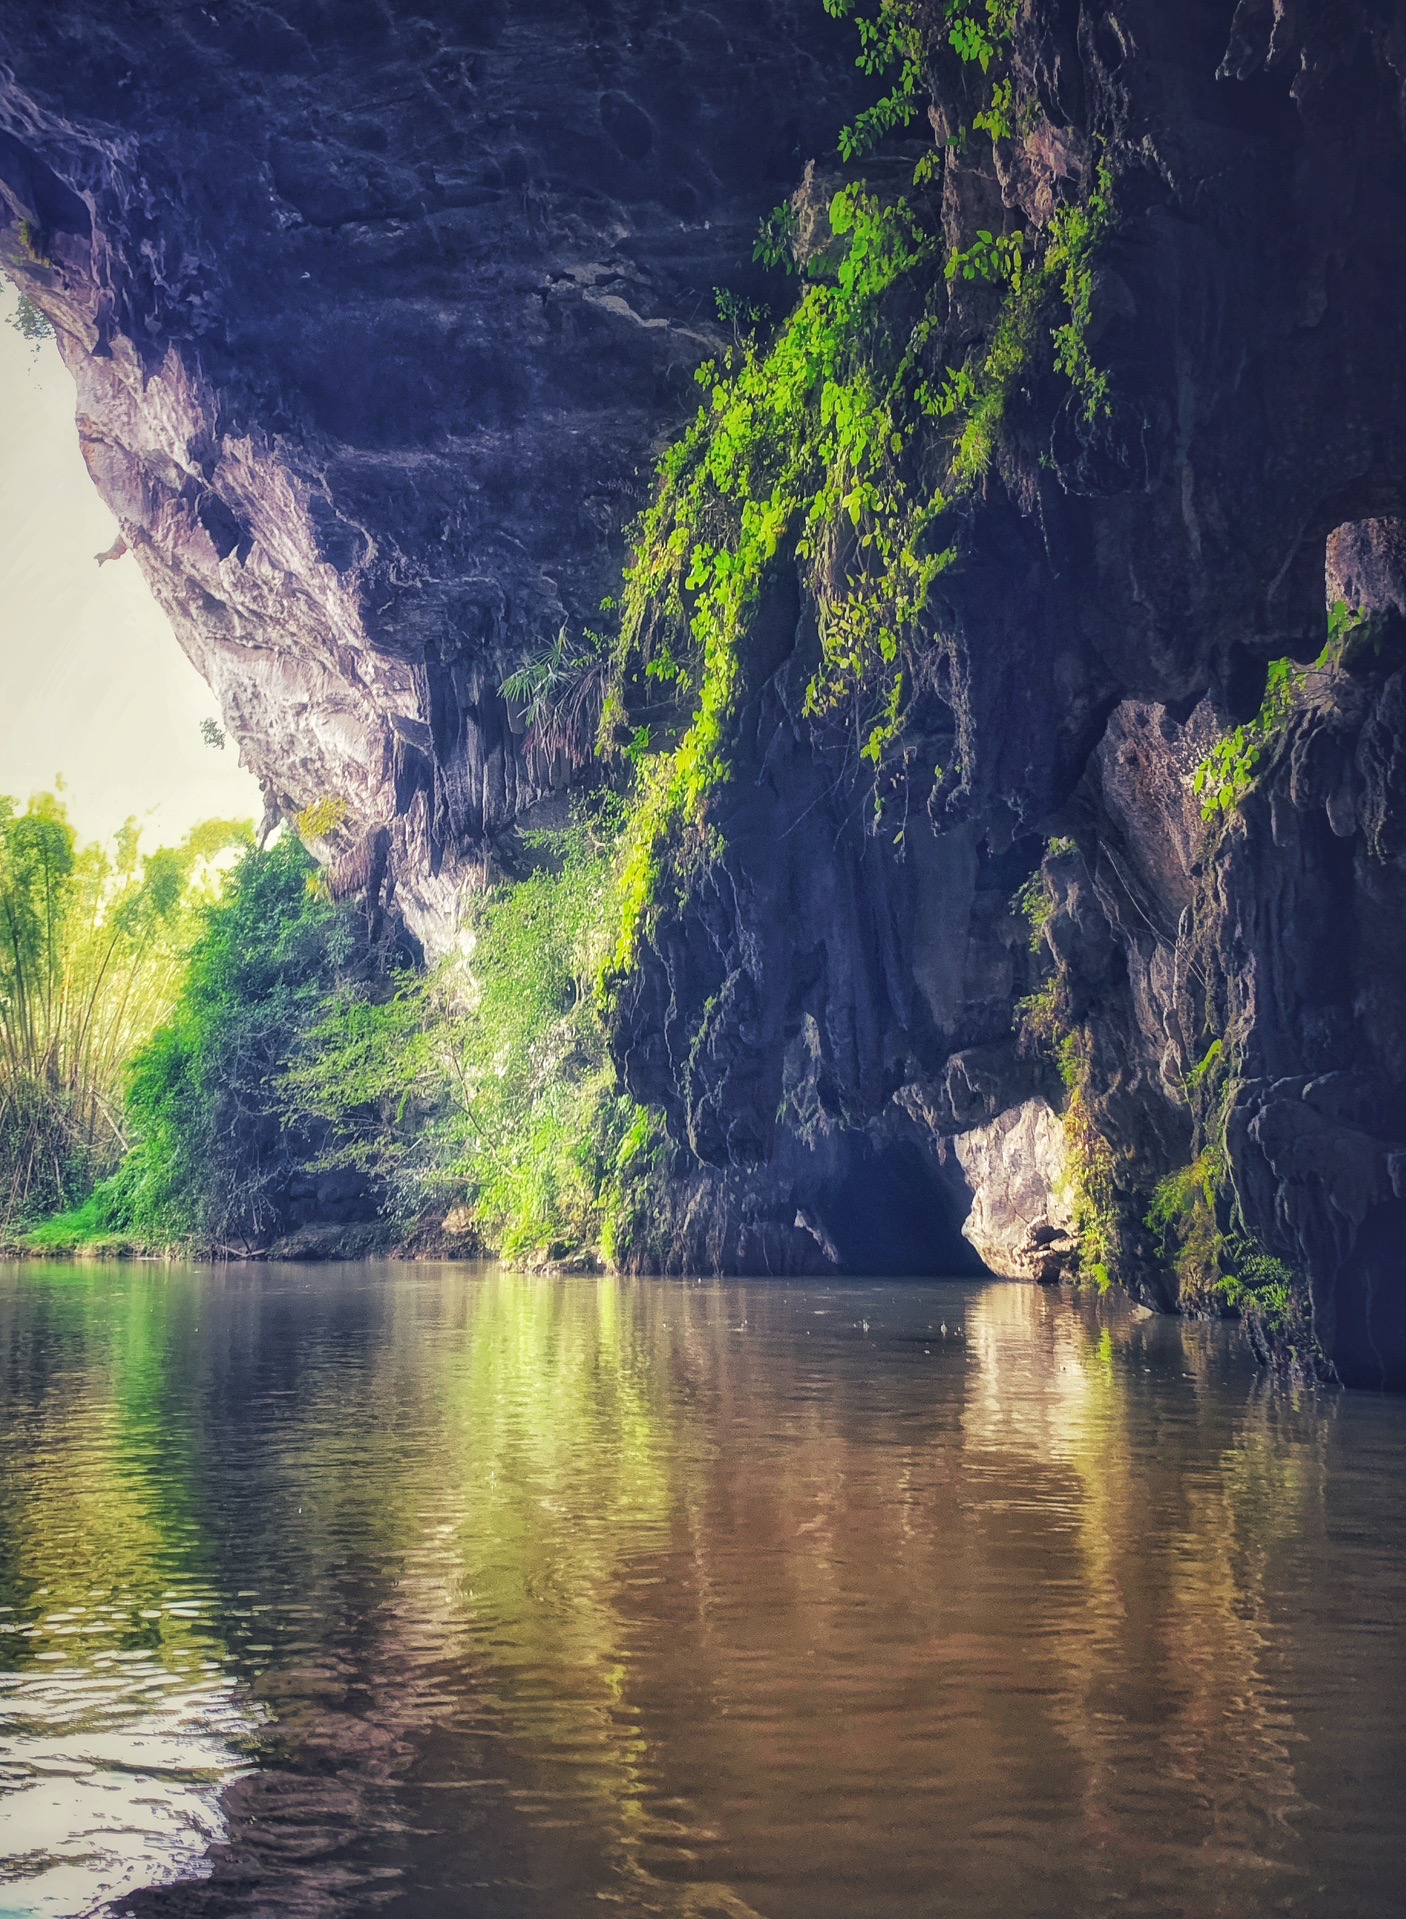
(1184, 1218)
(27, 320)
(322, 818)
(1264, 1286)
(1276, 1306)
(30, 248)
(1092, 1168)
(1229, 771)
(776, 238)
(1036, 907)
(1044, 1026)
(555, 696)
(896, 40)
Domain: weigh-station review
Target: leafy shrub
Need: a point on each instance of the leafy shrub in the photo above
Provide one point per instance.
(1264, 1286)
(321, 819)
(896, 39)
(556, 696)
(213, 1152)
(1228, 773)
(27, 320)
(1184, 1217)
(92, 943)
(486, 1085)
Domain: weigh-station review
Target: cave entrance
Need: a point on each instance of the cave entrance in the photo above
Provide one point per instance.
(892, 1215)
(1369, 1300)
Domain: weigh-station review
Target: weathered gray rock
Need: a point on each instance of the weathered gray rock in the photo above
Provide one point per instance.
(379, 314)
(1022, 1214)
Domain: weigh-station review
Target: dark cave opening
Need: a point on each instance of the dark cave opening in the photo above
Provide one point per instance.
(893, 1215)
(1369, 1299)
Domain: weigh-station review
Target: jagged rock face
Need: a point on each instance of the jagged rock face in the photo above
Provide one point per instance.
(1274, 938)
(1120, 590)
(823, 1015)
(377, 316)
(378, 313)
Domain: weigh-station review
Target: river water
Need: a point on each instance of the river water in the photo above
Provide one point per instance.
(432, 1590)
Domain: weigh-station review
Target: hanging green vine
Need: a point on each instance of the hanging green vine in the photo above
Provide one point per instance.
(841, 446)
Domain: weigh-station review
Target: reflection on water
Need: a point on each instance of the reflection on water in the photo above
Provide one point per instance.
(119, 1723)
(416, 1590)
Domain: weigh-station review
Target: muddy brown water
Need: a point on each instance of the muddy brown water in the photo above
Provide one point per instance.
(444, 1590)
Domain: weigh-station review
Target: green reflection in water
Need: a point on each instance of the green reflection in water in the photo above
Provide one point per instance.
(99, 1471)
(533, 1430)
(718, 1588)
(118, 1723)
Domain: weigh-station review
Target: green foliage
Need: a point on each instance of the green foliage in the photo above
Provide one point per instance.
(213, 734)
(996, 118)
(27, 320)
(1040, 1016)
(1043, 1022)
(213, 1149)
(1195, 1216)
(991, 256)
(1046, 282)
(544, 1121)
(1074, 233)
(1092, 1173)
(321, 819)
(555, 696)
(95, 1229)
(891, 41)
(1184, 1217)
(776, 238)
(842, 445)
(91, 956)
(1229, 771)
(487, 1085)
(1211, 1062)
(286, 1053)
(1035, 905)
(793, 444)
(744, 316)
(1264, 1287)
(896, 40)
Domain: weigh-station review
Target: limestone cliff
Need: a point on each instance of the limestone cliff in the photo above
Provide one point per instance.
(379, 313)
(1222, 990)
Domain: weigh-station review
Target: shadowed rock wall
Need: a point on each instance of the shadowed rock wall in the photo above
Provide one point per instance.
(379, 313)
(1231, 992)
